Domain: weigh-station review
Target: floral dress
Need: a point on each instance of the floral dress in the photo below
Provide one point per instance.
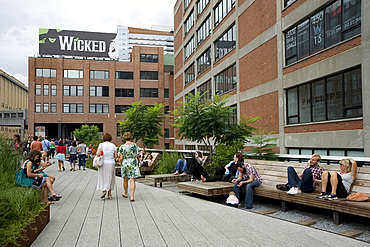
(129, 166)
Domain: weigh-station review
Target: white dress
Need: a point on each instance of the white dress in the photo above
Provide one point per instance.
(106, 173)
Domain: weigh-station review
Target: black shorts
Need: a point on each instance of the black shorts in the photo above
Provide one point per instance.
(341, 191)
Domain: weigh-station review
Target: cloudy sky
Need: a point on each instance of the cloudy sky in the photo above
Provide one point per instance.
(20, 21)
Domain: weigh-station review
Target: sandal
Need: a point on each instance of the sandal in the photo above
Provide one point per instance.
(53, 198)
(322, 195)
(125, 196)
(331, 197)
(103, 195)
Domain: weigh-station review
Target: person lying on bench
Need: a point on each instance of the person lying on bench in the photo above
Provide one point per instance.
(307, 179)
(226, 173)
(339, 184)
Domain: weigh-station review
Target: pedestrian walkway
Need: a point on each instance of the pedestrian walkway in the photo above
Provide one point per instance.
(162, 218)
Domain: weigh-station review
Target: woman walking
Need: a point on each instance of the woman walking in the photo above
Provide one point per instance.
(106, 173)
(73, 156)
(129, 164)
(61, 150)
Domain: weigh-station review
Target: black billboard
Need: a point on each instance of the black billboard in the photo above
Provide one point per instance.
(77, 43)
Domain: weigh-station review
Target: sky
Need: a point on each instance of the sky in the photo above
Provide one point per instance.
(20, 22)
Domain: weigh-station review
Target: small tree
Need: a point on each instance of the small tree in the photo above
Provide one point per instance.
(263, 149)
(144, 123)
(87, 133)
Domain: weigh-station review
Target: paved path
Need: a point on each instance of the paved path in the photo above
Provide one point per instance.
(162, 218)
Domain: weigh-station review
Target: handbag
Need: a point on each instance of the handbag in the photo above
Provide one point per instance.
(98, 161)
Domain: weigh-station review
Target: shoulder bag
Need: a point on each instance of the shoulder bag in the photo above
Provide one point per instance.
(98, 161)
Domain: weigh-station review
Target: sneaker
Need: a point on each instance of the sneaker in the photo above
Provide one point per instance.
(331, 197)
(291, 190)
(296, 191)
(322, 195)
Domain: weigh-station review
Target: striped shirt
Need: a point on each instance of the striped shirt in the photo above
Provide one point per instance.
(251, 170)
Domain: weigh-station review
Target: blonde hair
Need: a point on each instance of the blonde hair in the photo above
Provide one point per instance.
(232, 193)
(127, 136)
(347, 163)
(318, 156)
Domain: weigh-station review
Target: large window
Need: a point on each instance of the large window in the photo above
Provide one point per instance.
(73, 90)
(148, 75)
(226, 80)
(73, 73)
(123, 92)
(339, 21)
(53, 107)
(166, 93)
(37, 89)
(53, 90)
(335, 97)
(121, 108)
(73, 108)
(186, 4)
(46, 108)
(46, 73)
(204, 31)
(189, 22)
(148, 58)
(46, 89)
(149, 92)
(222, 9)
(189, 74)
(189, 48)
(124, 75)
(206, 89)
(99, 74)
(97, 91)
(37, 107)
(225, 43)
(204, 61)
(99, 108)
(201, 5)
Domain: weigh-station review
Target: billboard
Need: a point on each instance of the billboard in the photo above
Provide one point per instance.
(77, 43)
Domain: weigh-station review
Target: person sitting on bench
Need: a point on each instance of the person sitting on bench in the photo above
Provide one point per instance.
(181, 167)
(339, 184)
(226, 173)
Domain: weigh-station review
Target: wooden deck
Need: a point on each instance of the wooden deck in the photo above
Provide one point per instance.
(162, 218)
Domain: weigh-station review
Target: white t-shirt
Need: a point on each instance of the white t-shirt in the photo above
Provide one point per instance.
(108, 149)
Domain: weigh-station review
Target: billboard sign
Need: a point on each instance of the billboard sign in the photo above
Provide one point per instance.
(77, 43)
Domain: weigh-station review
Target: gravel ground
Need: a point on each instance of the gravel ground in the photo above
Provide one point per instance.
(323, 218)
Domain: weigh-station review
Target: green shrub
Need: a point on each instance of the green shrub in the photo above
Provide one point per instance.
(89, 164)
(167, 163)
(19, 206)
(263, 148)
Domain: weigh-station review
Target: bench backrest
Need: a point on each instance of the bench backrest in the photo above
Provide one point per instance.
(275, 172)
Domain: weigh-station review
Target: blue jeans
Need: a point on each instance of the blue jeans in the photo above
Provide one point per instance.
(181, 166)
(305, 183)
(81, 160)
(249, 192)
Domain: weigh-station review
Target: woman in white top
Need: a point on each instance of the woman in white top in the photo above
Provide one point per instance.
(106, 173)
(339, 184)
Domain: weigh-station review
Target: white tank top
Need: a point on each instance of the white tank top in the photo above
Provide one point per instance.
(347, 180)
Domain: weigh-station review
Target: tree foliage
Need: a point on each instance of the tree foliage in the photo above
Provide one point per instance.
(263, 146)
(87, 133)
(144, 123)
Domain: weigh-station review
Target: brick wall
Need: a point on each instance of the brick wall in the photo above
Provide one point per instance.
(343, 125)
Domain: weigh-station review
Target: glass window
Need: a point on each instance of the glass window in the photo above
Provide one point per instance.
(204, 61)
(148, 58)
(123, 75)
(121, 108)
(46, 89)
(189, 74)
(304, 103)
(303, 39)
(317, 32)
(186, 4)
(225, 80)
(201, 5)
(222, 9)
(37, 89)
(73, 73)
(333, 23)
(166, 93)
(166, 133)
(291, 45)
(334, 97)
(189, 22)
(46, 73)
(99, 74)
(53, 107)
(92, 108)
(225, 43)
(105, 108)
(65, 108)
(189, 48)
(351, 13)
(204, 31)
(37, 107)
(205, 90)
(72, 108)
(92, 91)
(53, 90)
(73, 91)
(318, 100)
(288, 2)
(148, 75)
(292, 105)
(80, 108)
(122, 92)
(65, 90)
(149, 92)
(166, 109)
(80, 91)
(46, 108)
(353, 93)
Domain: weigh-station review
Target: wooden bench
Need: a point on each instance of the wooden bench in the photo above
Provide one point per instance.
(274, 172)
(159, 178)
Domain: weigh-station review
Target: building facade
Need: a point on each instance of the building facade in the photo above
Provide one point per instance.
(302, 66)
(68, 92)
(14, 97)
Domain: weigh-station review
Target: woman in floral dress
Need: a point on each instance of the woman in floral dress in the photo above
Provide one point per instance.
(129, 165)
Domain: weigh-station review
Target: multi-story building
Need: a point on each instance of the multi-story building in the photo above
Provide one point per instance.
(14, 97)
(66, 91)
(302, 66)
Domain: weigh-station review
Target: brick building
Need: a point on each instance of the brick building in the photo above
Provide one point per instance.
(302, 66)
(66, 92)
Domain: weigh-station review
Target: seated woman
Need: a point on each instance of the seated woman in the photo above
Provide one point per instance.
(44, 164)
(181, 165)
(338, 184)
(149, 160)
(31, 179)
(226, 173)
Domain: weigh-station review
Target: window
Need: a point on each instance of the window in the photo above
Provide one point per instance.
(325, 152)
(46, 108)
(73, 90)
(99, 74)
(53, 107)
(37, 89)
(123, 75)
(201, 5)
(121, 108)
(46, 89)
(148, 58)
(336, 97)
(233, 115)
(99, 108)
(288, 2)
(148, 75)
(204, 31)
(187, 96)
(72, 108)
(206, 89)
(166, 109)
(46, 73)
(149, 92)
(53, 90)
(222, 9)
(339, 21)
(189, 74)
(204, 61)
(189, 48)
(99, 91)
(186, 4)
(167, 146)
(166, 93)
(166, 133)
(37, 107)
(121, 92)
(226, 80)
(73, 73)
(225, 43)
(189, 22)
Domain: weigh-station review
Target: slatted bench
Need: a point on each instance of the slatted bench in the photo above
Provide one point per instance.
(274, 172)
(167, 178)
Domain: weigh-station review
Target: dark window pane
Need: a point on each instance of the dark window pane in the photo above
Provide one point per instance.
(334, 97)
(317, 32)
(123, 75)
(353, 93)
(351, 13)
(291, 43)
(318, 101)
(303, 40)
(305, 103)
(292, 105)
(333, 23)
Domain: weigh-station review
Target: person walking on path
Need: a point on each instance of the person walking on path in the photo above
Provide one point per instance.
(129, 164)
(61, 157)
(73, 155)
(36, 145)
(81, 155)
(52, 148)
(106, 173)
(307, 179)
(46, 147)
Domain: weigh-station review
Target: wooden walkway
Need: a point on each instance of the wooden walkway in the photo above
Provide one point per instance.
(162, 218)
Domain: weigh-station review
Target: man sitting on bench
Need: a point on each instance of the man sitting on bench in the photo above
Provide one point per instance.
(307, 179)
